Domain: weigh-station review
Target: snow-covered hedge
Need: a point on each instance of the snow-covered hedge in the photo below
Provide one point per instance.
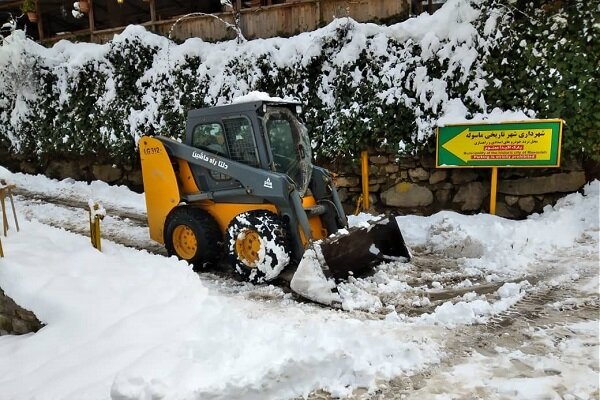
(361, 84)
(548, 60)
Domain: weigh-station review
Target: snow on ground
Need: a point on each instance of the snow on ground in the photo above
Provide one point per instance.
(128, 324)
(567, 369)
(488, 247)
(553, 361)
(114, 196)
(503, 247)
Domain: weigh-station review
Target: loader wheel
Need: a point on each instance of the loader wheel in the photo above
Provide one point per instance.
(258, 246)
(193, 235)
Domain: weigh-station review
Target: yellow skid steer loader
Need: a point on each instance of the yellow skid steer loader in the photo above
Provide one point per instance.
(243, 185)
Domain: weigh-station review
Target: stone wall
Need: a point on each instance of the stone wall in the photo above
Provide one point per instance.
(15, 320)
(81, 169)
(412, 185)
(408, 185)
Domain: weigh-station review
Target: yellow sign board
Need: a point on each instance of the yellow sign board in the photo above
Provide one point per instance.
(512, 144)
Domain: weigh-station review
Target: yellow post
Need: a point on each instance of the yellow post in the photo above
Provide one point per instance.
(4, 217)
(9, 189)
(95, 218)
(6, 190)
(493, 190)
(364, 169)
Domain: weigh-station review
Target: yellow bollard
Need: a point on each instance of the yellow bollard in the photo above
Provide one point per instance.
(96, 214)
(494, 190)
(362, 202)
(6, 191)
(364, 170)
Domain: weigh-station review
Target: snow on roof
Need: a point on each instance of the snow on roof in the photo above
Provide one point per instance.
(262, 96)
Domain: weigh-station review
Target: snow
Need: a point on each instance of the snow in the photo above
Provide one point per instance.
(485, 246)
(96, 209)
(6, 176)
(110, 196)
(449, 36)
(310, 282)
(261, 96)
(126, 324)
(500, 246)
(456, 112)
(570, 373)
(473, 309)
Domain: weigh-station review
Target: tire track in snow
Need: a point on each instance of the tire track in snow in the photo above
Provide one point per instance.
(129, 228)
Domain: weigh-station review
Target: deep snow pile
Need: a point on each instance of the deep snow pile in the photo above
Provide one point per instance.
(503, 247)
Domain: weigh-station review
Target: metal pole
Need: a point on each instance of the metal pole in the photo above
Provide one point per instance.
(494, 188)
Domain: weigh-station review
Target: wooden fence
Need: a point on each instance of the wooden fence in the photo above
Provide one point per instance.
(285, 19)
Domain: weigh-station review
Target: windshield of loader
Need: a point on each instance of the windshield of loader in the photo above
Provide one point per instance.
(290, 146)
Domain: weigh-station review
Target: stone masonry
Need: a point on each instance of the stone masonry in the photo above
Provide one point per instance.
(15, 320)
(412, 185)
(407, 185)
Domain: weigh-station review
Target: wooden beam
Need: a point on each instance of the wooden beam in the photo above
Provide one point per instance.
(319, 14)
(153, 14)
(40, 23)
(238, 12)
(11, 4)
(91, 21)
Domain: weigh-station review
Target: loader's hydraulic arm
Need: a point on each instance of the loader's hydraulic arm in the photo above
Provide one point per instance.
(274, 187)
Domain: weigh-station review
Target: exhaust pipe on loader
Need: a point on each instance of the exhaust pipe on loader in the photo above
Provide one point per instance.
(353, 252)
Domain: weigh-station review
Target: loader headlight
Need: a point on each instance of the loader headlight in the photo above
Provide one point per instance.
(298, 110)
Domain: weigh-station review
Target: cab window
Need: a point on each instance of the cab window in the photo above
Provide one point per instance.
(210, 137)
(240, 137)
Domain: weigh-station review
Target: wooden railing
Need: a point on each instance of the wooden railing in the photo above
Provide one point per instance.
(285, 19)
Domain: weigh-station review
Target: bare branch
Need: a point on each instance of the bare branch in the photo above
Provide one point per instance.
(235, 27)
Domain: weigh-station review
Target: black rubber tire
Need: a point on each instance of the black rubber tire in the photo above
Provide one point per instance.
(273, 234)
(205, 229)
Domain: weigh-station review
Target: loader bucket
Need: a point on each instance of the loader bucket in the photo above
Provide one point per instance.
(354, 252)
(361, 249)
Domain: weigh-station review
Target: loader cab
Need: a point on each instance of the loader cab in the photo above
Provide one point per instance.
(265, 135)
(288, 145)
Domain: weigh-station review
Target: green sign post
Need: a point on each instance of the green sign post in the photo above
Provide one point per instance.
(534, 143)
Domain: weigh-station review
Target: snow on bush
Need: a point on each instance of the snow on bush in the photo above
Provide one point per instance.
(361, 84)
